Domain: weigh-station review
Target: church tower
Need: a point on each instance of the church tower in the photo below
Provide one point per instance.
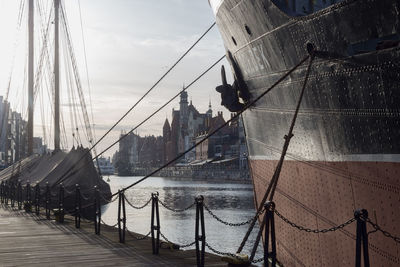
(209, 111)
(184, 110)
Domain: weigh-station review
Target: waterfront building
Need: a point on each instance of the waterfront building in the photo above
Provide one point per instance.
(137, 152)
(187, 127)
(13, 135)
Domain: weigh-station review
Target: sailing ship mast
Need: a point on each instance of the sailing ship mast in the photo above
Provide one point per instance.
(56, 78)
(30, 77)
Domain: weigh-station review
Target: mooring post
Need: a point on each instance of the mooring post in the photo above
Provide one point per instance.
(97, 211)
(28, 202)
(121, 216)
(19, 195)
(361, 237)
(13, 194)
(200, 227)
(269, 231)
(37, 198)
(78, 206)
(61, 210)
(2, 192)
(6, 193)
(155, 240)
(48, 200)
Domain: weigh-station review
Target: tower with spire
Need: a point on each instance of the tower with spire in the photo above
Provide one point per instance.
(184, 110)
(209, 111)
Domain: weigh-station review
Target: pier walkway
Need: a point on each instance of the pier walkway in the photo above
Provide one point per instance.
(30, 240)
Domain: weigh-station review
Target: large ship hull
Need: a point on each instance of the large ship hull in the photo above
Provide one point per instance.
(345, 153)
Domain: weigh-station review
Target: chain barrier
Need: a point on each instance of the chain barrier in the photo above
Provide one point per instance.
(315, 231)
(176, 210)
(84, 197)
(68, 192)
(180, 246)
(230, 254)
(113, 226)
(138, 238)
(385, 233)
(138, 207)
(108, 201)
(229, 223)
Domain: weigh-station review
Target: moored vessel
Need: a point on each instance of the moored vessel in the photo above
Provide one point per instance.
(345, 153)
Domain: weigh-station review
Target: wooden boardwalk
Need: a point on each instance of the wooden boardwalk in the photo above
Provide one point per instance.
(30, 240)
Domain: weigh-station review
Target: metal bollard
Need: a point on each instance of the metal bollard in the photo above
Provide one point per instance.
(2, 192)
(13, 193)
(121, 216)
(48, 201)
(155, 215)
(19, 195)
(200, 227)
(28, 202)
(97, 211)
(78, 206)
(361, 237)
(37, 199)
(61, 212)
(6, 193)
(269, 232)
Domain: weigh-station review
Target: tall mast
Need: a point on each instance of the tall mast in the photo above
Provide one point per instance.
(30, 77)
(56, 78)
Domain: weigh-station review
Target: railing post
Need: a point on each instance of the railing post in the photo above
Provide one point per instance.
(6, 193)
(12, 197)
(97, 211)
(269, 231)
(200, 226)
(61, 211)
(48, 200)
(28, 202)
(19, 195)
(78, 206)
(37, 199)
(155, 241)
(2, 192)
(361, 237)
(121, 216)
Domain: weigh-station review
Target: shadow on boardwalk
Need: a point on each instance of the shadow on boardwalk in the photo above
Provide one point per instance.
(27, 239)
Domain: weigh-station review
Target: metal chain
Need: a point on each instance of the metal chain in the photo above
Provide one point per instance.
(220, 252)
(138, 238)
(103, 222)
(176, 210)
(109, 201)
(140, 207)
(315, 231)
(233, 224)
(385, 233)
(230, 254)
(84, 197)
(258, 260)
(180, 246)
(68, 192)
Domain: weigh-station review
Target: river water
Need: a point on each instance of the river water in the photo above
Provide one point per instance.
(231, 202)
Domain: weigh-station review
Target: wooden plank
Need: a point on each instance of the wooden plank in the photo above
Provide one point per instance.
(27, 239)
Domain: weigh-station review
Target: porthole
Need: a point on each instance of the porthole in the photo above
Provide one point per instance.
(234, 41)
(247, 29)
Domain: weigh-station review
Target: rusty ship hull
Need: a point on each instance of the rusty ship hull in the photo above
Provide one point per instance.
(345, 153)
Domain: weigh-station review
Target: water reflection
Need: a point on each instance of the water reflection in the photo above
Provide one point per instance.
(230, 202)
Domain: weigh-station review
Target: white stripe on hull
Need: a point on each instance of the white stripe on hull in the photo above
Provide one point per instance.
(341, 158)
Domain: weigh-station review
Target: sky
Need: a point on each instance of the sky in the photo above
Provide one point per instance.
(129, 45)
